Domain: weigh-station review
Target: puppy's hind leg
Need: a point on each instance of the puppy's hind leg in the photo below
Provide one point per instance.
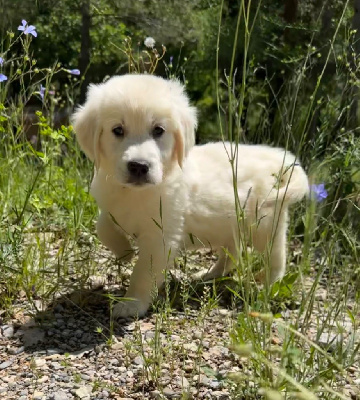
(274, 249)
(223, 265)
(111, 236)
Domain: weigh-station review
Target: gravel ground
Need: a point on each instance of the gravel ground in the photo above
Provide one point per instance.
(66, 350)
(68, 357)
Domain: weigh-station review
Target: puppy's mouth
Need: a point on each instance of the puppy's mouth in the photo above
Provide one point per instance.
(139, 182)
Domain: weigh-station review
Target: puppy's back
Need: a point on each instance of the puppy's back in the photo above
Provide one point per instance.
(266, 173)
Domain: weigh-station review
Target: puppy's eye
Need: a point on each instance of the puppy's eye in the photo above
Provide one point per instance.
(157, 132)
(118, 131)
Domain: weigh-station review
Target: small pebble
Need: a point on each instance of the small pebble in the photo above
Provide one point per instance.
(8, 331)
(39, 362)
(16, 350)
(83, 392)
(38, 395)
(138, 360)
(60, 395)
(6, 364)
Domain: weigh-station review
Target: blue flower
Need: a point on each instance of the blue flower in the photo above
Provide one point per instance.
(1, 61)
(73, 71)
(171, 62)
(27, 29)
(42, 91)
(318, 192)
(3, 78)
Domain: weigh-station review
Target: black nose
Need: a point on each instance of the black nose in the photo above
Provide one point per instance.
(138, 168)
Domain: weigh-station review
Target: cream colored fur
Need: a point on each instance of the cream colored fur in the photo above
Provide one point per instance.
(187, 197)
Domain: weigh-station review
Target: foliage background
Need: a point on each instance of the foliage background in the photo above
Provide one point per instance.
(90, 34)
(289, 76)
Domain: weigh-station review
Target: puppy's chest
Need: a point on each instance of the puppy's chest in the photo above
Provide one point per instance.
(136, 212)
(133, 215)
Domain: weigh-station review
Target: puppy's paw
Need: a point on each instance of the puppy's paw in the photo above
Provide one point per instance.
(129, 309)
(263, 277)
(260, 277)
(206, 276)
(125, 256)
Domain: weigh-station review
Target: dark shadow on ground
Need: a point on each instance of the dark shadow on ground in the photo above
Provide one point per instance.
(79, 321)
(222, 291)
(73, 322)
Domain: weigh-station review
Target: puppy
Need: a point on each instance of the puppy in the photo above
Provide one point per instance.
(152, 184)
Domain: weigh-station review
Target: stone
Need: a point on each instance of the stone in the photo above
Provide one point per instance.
(38, 395)
(329, 341)
(138, 360)
(60, 395)
(197, 335)
(80, 353)
(218, 395)
(16, 350)
(6, 364)
(83, 392)
(191, 347)
(43, 379)
(171, 394)
(8, 331)
(51, 352)
(39, 362)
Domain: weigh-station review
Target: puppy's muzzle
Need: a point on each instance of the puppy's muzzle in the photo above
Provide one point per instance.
(138, 171)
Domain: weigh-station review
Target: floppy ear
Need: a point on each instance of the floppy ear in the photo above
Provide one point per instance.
(86, 124)
(185, 135)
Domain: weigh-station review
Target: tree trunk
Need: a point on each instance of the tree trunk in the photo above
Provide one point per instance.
(290, 11)
(356, 25)
(84, 60)
(290, 14)
(355, 91)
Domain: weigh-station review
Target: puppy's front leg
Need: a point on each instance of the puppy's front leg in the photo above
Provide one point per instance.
(112, 237)
(147, 277)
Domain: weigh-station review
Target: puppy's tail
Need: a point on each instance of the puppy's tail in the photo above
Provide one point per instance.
(291, 186)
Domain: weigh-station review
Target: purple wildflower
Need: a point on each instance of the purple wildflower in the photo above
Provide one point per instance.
(1, 61)
(33, 140)
(318, 192)
(42, 91)
(74, 71)
(27, 29)
(171, 61)
(3, 78)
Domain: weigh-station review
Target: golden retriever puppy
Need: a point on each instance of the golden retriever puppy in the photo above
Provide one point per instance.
(151, 183)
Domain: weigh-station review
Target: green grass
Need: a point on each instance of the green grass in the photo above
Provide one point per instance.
(48, 245)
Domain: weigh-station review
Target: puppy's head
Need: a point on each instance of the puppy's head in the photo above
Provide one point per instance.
(136, 128)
